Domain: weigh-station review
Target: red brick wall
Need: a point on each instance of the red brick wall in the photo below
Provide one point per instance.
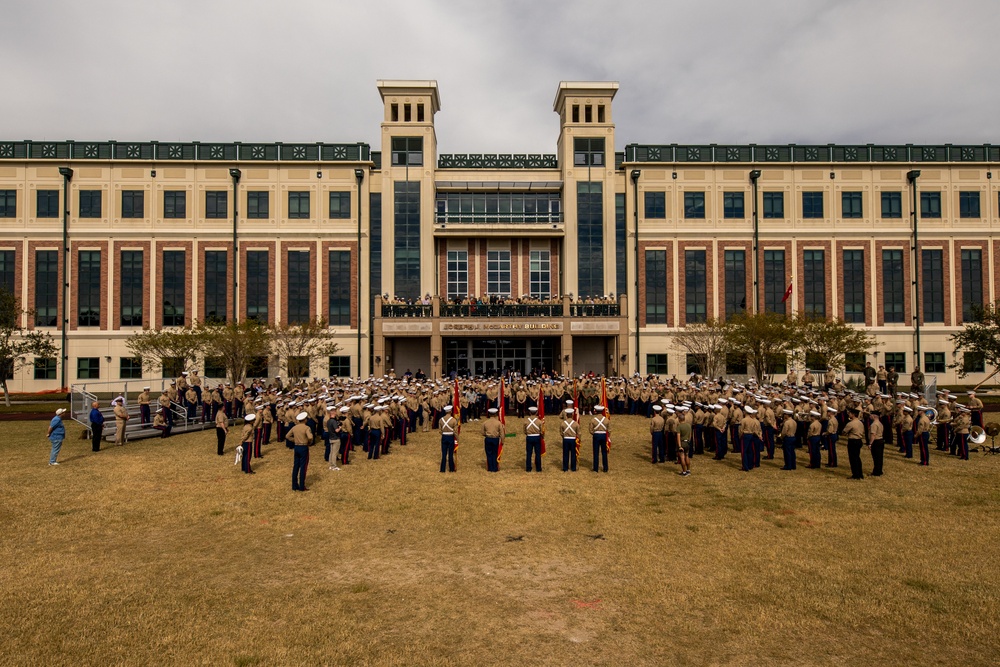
(18, 268)
(74, 249)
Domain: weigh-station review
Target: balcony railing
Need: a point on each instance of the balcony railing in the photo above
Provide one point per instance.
(406, 310)
(594, 310)
(498, 218)
(502, 310)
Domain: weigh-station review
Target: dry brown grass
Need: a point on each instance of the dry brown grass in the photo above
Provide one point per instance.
(161, 552)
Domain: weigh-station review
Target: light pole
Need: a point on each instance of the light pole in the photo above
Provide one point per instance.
(359, 174)
(754, 175)
(236, 173)
(635, 212)
(67, 175)
(911, 178)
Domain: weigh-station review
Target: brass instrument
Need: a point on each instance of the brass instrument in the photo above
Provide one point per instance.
(977, 435)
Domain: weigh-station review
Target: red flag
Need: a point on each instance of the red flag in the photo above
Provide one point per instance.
(788, 293)
(541, 416)
(502, 414)
(607, 410)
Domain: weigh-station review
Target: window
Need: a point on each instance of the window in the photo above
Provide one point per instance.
(130, 368)
(854, 286)
(732, 205)
(298, 205)
(972, 284)
(774, 281)
(172, 367)
(934, 362)
(774, 205)
(930, 204)
(7, 270)
(375, 247)
(590, 237)
(258, 205)
(215, 368)
(45, 368)
(812, 204)
(540, 274)
(340, 205)
(694, 205)
(892, 204)
(131, 272)
(90, 203)
(258, 280)
(854, 362)
(814, 282)
(8, 203)
(407, 151)
(498, 207)
(736, 281)
(656, 364)
(174, 273)
(893, 287)
(258, 367)
(88, 368)
(695, 286)
(896, 360)
(656, 287)
(47, 204)
(299, 284)
(175, 204)
(656, 204)
(340, 287)
(736, 364)
(498, 272)
(46, 287)
(133, 204)
(621, 263)
(406, 202)
(932, 268)
(458, 274)
(88, 288)
(340, 367)
(777, 364)
(217, 204)
(973, 362)
(696, 363)
(588, 152)
(216, 286)
(968, 204)
(816, 361)
(851, 203)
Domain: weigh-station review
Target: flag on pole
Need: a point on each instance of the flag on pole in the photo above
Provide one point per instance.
(541, 416)
(788, 293)
(607, 410)
(502, 415)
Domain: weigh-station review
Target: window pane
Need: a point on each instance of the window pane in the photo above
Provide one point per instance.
(89, 288)
(696, 286)
(854, 286)
(174, 291)
(299, 286)
(736, 281)
(656, 287)
(893, 288)
(340, 288)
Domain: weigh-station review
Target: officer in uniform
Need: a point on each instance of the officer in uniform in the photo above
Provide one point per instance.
(221, 430)
(789, 427)
(570, 429)
(145, 417)
(854, 433)
(302, 439)
(492, 432)
(121, 419)
(246, 443)
(533, 439)
(450, 429)
(922, 431)
(600, 429)
(656, 425)
(750, 434)
(876, 445)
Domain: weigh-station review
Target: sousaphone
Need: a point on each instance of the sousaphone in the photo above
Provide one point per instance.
(977, 435)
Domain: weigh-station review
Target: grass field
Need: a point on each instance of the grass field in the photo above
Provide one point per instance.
(161, 552)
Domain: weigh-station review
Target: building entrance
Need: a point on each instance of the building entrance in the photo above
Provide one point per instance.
(491, 356)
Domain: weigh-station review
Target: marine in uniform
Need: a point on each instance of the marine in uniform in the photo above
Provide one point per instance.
(570, 431)
(492, 432)
(302, 439)
(533, 427)
(854, 433)
(121, 419)
(450, 429)
(599, 430)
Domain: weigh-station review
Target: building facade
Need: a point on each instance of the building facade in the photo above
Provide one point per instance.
(588, 259)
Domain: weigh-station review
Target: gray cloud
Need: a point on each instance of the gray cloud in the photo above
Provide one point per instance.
(771, 71)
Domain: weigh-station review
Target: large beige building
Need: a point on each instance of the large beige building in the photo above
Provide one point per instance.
(111, 237)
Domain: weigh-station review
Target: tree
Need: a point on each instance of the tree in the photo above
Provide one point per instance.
(979, 337)
(764, 338)
(708, 341)
(18, 343)
(159, 348)
(832, 339)
(297, 345)
(235, 344)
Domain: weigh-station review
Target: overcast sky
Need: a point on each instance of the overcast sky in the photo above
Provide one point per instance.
(693, 71)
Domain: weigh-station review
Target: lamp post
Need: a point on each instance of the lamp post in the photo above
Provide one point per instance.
(236, 173)
(67, 175)
(635, 212)
(754, 175)
(911, 178)
(359, 175)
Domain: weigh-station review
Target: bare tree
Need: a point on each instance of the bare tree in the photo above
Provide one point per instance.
(235, 345)
(297, 345)
(707, 340)
(16, 342)
(157, 348)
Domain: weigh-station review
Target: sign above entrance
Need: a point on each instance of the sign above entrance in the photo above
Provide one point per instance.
(501, 326)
